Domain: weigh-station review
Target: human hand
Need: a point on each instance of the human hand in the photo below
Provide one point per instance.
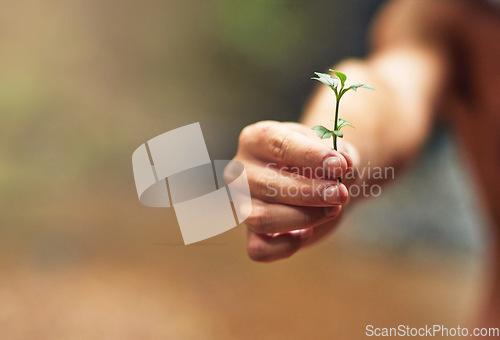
(296, 198)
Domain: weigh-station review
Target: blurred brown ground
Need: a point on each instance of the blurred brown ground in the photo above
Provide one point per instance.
(82, 84)
(104, 267)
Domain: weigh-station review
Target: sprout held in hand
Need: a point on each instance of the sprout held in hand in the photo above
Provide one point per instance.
(339, 123)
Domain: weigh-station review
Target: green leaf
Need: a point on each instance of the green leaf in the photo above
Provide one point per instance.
(341, 123)
(326, 79)
(338, 133)
(322, 131)
(341, 76)
(356, 86)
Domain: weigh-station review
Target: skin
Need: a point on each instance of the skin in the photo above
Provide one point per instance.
(429, 60)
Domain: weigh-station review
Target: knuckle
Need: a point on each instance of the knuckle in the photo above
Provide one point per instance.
(226, 175)
(299, 193)
(250, 131)
(253, 219)
(245, 135)
(256, 132)
(262, 186)
(258, 220)
(307, 193)
(311, 153)
(231, 171)
(279, 145)
(265, 124)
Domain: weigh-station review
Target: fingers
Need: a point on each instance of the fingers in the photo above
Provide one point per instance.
(278, 218)
(273, 185)
(268, 248)
(296, 197)
(345, 148)
(273, 142)
(350, 154)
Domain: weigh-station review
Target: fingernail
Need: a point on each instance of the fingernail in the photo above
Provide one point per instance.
(332, 166)
(331, 194)
(331, 211)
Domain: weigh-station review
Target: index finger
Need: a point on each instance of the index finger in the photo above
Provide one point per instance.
(275, 143)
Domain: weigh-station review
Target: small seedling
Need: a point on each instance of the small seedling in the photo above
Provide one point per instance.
(338, 87)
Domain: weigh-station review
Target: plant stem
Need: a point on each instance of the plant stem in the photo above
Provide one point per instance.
(335, 124)
(335, 127)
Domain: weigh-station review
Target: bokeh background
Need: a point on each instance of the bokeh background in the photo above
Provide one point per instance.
(84, 82)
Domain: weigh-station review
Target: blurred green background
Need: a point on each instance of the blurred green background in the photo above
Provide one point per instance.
(83, 83)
